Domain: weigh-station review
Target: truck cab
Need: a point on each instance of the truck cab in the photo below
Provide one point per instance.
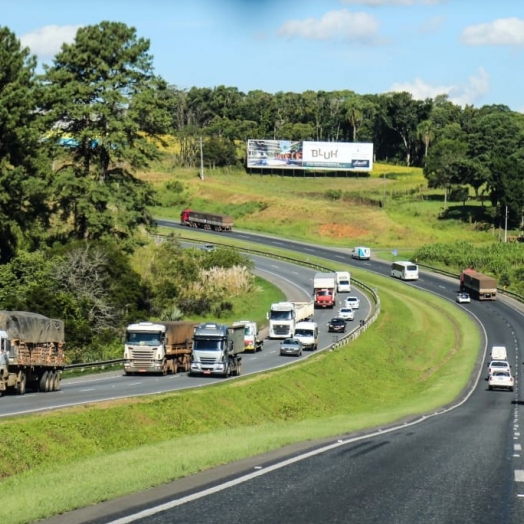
(216, 349)
(144, 350)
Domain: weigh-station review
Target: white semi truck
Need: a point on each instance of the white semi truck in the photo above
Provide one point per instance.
(216, 350)
(158, 347)
(284, 316)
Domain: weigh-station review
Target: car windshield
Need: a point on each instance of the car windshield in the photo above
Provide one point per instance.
(290, 342)
(500, 374)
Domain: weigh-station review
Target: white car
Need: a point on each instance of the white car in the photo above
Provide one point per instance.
(498, 365)
(352, 302)
(501, 379)
(463, 298)
(346, 313)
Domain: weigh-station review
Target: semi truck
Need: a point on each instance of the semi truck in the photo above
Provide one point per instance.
(252, 340)
(307, 333)
(32, 349)
(343, 281)
(284, 316)
(325, 289)
(158, 347)
(217, 349)
(203, 220)
(482, 287)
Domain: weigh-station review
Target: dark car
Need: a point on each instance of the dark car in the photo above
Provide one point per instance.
(337, 325)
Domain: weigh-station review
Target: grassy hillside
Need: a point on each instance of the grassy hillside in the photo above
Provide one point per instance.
(390, 208)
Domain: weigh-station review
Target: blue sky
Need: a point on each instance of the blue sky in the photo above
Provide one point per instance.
(472, 50)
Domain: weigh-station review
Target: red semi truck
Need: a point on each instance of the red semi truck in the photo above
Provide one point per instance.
(206, 220)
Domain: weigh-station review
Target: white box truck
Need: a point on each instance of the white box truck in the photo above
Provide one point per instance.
(499, 353)
(343, 282)
(361, 253)
(307, 333)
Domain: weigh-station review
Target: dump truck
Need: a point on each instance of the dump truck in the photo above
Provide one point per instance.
(217, 349)
(479, 286)
(284, 316)
(203, 220)
(252, 340)
(158, 347)
(34, 352)
(325, 290)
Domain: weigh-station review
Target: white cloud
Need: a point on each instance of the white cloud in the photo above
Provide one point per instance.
(47, 41)
(377, 3)
(461, 94)
(504, 31)
(354, 27)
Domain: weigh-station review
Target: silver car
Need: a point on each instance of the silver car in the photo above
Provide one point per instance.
(291, 346)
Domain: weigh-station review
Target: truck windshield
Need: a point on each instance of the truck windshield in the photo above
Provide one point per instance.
(207, 345)
(303, 333)
(249, 330)
(323, 293)
(281, 315)
(143, 339)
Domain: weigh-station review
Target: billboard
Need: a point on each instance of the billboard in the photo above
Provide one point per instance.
(320, 156)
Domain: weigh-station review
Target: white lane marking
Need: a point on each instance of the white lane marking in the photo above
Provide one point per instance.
(517, 447)
(519, 475)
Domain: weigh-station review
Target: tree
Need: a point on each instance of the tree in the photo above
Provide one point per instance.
(426, 134)
(101, 95)
(358, 110)
(23, 182)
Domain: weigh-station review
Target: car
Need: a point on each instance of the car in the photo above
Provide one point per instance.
(352, 302)
(207, 247)
(291, 346)
(346, 313)
(502, 380)
(498, 365)
(337, 325)
(463, 298)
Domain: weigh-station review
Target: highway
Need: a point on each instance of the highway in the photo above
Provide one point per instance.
(295, 281)
(462, 464)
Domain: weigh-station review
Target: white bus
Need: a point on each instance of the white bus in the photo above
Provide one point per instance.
(404, 270)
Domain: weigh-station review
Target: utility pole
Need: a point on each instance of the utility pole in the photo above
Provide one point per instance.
(506, 226)
(201, 160)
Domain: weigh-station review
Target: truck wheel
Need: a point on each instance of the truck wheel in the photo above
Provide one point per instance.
(44, 382)
(58, 379)
(164, 369)
(55, 377)
(21, 384)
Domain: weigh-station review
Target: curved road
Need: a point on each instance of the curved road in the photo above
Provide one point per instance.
(297, 282)
(459, 465)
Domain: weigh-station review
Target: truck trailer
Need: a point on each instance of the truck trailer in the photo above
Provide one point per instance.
(325, 290)
(158, 347)
(34, 352)
(479, 286)
(284, 316)
(203, 220)
(217, 349)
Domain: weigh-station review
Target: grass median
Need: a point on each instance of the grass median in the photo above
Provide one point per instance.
(418, 355)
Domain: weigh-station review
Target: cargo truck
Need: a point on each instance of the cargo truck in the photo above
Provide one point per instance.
(217, 349)
(325, 289)
(361, 253)
(479, 286)
(34, 352)
(343, 281)
(307, 333)
(252, 340)
(158, 347)
(284, 316)
(206, 220)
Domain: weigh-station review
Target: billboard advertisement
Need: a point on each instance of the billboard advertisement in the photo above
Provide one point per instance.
(288, 154)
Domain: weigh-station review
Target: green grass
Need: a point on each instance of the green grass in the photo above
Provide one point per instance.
(387, 374)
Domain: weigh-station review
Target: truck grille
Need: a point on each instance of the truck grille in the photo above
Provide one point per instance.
(141, 354)
(207, 361)
(281, 330)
